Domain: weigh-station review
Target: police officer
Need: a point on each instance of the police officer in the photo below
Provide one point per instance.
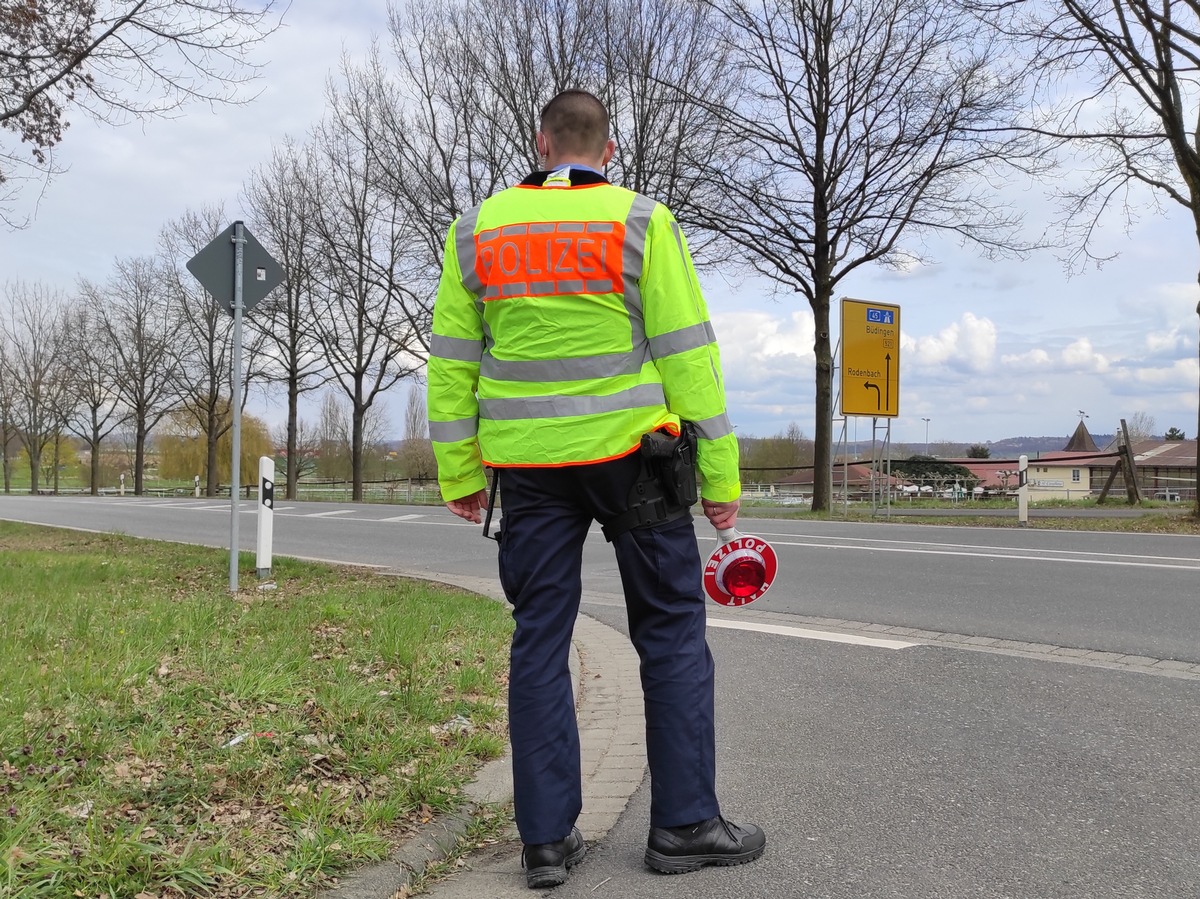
(568, 325)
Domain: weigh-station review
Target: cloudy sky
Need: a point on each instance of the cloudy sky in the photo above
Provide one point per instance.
(988, 349)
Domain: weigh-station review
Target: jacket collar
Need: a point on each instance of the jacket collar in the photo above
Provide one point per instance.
(579, 177)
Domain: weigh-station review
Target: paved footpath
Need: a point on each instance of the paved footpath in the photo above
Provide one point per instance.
(613, 760)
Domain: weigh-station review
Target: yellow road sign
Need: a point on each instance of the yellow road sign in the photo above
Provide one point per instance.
(870, 359)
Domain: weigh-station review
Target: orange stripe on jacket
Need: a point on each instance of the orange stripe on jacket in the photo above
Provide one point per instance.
(550, 259)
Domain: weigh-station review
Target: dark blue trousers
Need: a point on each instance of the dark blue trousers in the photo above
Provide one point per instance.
(546, 516)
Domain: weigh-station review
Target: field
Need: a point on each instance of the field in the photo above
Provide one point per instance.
(160, 738)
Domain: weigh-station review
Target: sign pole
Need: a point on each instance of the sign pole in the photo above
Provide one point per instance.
(239, 241)
(219, 271)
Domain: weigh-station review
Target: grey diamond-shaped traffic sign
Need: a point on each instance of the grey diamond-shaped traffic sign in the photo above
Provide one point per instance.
(214, 268)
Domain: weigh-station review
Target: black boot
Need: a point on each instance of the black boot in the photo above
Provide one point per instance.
(677, 850)
(546, 864)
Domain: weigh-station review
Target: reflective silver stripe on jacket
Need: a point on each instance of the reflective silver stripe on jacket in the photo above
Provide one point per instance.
(464, 246)
(714, 428)
(454, 431)
(690, 338)
(607, 365)
(637, 226)
(519, 408)
(459, 349)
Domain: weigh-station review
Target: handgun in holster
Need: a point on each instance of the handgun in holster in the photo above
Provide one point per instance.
(666, 488)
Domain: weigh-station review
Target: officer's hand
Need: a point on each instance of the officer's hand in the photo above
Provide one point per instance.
(468, 507)
(722, 515)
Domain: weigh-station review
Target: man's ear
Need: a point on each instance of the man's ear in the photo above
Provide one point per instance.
(609, 149)
(543, 147)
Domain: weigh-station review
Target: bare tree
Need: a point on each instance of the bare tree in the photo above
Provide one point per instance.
(94, 409)
(38, 367)
(667, 142)
(279, 198)
(1141, 426)
(864, 123)
(8, 409)
(307, 449)
(138, 317)
(362, 302)
(416, 453)
(116, 61)
(455, 120)
(1120, 85)
(779, 455)
(204, 334)
(333, 436)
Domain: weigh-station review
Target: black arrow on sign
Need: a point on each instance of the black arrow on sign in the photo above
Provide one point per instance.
(874, 387)
(888, 382)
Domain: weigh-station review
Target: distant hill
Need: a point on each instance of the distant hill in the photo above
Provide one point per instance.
(1015, 446)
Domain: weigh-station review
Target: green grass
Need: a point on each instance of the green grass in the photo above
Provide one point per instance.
(127, 670)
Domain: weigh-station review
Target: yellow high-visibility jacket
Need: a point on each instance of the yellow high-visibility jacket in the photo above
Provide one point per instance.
(569, 322)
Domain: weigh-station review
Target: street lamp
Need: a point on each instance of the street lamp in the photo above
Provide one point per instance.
(926, 420)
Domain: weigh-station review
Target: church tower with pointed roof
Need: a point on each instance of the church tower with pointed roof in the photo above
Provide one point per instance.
(1081, 441)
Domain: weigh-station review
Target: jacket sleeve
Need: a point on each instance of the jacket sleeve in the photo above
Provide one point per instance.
(455, 351)
(685, 353)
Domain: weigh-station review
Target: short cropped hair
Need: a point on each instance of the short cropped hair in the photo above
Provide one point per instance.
(577, 121)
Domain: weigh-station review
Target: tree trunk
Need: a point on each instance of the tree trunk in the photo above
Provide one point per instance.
(823, 449)
(293, 464)
(139, 459)
(95, 464)
(35, 464)
(57, 459)
(356, 452)
(6, 436)
(210, 457)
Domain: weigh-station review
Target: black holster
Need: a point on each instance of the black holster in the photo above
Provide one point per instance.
(666, 487)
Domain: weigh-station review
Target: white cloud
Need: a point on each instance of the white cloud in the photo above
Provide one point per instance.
(1169, 343)
(758, 347)
(967, 345)
(1029, 360)
(1180, 374)
(1081, 356)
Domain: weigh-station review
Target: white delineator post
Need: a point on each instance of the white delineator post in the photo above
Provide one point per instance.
(266, 514)
(1023, 491)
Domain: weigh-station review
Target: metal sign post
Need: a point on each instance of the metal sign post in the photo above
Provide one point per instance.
(223, 275)
(235, 475)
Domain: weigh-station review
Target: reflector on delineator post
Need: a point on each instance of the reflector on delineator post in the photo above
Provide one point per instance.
(740, 570)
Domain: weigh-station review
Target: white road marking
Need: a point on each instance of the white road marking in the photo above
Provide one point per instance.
(328, 514)
(995, 553)
(403, 518)
(808, 634)
(982, 548)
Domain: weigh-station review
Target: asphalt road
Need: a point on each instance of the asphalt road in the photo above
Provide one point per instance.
(927, 771)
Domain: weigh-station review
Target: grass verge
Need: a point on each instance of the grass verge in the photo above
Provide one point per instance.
(160, 738)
